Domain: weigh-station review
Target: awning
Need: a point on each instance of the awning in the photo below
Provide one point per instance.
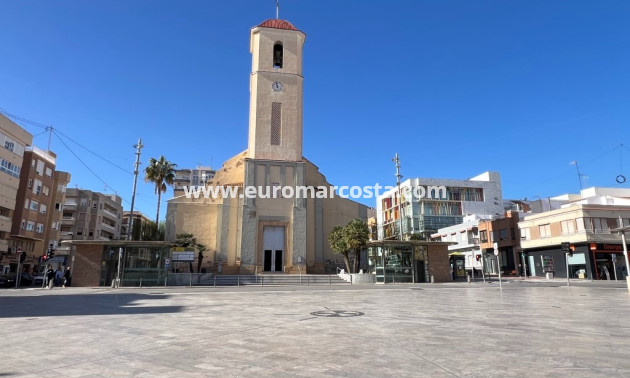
(457, 254)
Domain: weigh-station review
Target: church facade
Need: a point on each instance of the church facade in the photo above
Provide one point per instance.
(275, 230)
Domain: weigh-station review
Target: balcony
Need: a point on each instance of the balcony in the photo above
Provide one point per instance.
(70, 205)
(108, 227)
(66, 235)
(110, 214)
(67, 221)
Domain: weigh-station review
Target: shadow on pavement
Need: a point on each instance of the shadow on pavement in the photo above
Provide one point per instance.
(83, 304)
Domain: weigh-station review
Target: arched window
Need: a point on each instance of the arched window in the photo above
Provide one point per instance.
(277, 55)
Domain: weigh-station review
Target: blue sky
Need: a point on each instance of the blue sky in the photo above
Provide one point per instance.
(455, 87)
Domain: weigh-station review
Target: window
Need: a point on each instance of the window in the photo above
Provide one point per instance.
(57, 206)
(277, 55)
(525, 233)
(91, 233)
(503, 234)
(30, 183)
(40, 228)
(79, 230)
(544, 230)
(9, 144)
(81, 216)
(568, 227)
(84, 202)
(10, 168)
(34, 205)
(40, 167)
(33, 163)
(37, 186)
(43, 208)
(23, 225)
(483, 235)
(95, 205)
(26, 203)
(276, 123)
(48, 172)
(30, 226)
(45, 190)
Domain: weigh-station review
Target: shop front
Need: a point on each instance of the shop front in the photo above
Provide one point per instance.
(96, 263)
(409, 261)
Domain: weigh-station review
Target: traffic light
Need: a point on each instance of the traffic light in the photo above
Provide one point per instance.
(22, 257)
(50, 253)
(477, 257)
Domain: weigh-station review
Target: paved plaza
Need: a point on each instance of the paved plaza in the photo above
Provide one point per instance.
(464, 330)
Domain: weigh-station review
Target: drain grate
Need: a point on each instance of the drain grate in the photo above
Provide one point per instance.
(337, 313)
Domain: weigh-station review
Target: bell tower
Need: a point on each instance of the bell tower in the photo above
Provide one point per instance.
(275, 108)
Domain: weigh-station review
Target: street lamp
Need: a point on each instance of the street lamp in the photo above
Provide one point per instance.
(622, 231)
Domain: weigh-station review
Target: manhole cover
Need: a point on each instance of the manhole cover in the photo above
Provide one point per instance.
(336, 313)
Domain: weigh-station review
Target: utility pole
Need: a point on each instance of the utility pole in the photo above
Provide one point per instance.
(50, 131)
(398, 177)
(138, 148)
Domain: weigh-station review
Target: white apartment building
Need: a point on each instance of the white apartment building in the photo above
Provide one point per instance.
(426, 204)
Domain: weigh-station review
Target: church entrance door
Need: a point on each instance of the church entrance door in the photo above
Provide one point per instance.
(273, 247)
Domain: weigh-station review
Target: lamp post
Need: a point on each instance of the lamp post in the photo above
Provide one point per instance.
(622, 230)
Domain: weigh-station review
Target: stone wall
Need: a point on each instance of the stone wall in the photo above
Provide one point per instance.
(439, 263)
(86, 269)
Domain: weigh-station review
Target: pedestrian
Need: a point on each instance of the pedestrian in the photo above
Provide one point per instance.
(67, 278)
(58, 276)
(50, 276)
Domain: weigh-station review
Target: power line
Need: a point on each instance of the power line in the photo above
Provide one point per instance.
(50, 128)
(33, 123)
(89, 169)
(90, 151)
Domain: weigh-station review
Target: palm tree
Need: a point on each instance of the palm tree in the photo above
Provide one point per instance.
(337, 241)
(202, 248)
(356, 234)
(161, 173)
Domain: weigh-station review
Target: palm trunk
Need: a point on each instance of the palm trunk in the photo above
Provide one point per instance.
(347, 261)
(199, 261)
(357, 260)
(157, 216)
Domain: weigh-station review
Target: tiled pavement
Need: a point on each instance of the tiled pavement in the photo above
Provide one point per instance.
(399, 331)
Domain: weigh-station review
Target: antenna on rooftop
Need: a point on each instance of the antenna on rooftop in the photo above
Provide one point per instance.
(277, 9)
(574, 162)
(398, 177)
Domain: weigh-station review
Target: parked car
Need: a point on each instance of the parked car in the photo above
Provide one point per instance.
(38, 280)
(26, 279)
(8, 280)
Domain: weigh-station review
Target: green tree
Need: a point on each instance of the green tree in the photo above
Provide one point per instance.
(161, 173)
(337, 241)
(150, 231)
(356, 234)
(185, 240)
(416, 236)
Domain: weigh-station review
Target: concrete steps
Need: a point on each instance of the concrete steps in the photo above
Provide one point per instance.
(276, 280)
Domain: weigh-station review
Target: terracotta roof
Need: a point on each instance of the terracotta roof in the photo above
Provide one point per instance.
(278, 24)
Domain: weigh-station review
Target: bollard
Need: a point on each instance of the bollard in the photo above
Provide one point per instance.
(190, 284)
(307, 281)
(238, 280)
(140, 281)
(262, 280)
(329, 280)
(215, 280)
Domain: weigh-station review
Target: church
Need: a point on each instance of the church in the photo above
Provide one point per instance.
(268, 232)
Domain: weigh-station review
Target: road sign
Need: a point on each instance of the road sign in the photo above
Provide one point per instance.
(496, 252)
(19, 250)
(613, 257)
(167, 263)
